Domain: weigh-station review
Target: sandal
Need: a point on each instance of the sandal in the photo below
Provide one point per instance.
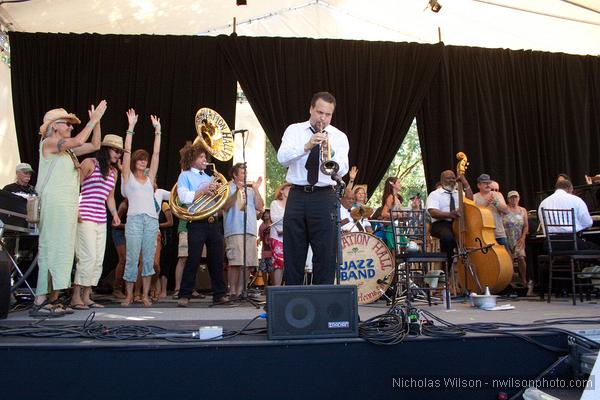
(64, 307)
(45, 310)
(126, 302)
(79, 307)
(94, 305)
(196, 295)
(146, 301)
(176, 295)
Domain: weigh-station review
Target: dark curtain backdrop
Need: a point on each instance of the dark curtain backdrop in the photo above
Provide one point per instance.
(170, 76)
(521, 116)
(378, 86)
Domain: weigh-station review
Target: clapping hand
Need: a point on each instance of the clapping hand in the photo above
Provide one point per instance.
(256, 185)
(97, 112)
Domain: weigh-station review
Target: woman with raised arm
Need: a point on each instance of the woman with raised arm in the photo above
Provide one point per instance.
(142, 215)
(98, 178)
(58, 186)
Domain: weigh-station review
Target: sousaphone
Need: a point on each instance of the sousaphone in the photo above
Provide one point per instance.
(216, 138)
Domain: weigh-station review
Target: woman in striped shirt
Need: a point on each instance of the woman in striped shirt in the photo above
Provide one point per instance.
(98, 178)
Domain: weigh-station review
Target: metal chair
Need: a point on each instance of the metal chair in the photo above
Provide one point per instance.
(410, 239)
(564, 253)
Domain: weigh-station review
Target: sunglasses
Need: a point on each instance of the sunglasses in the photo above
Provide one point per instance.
(64, 122)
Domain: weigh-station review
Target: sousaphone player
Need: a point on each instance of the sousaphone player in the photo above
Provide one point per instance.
(197, 198)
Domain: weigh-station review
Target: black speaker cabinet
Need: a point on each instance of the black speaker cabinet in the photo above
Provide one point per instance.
(311, 312)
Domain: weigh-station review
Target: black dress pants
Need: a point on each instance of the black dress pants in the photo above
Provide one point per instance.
(199, 233)
(309, 219)
(443, 231)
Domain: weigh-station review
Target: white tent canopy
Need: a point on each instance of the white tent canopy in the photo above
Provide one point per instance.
(570, 26)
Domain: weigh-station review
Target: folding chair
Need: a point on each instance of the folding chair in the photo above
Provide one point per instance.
(564, 253)
(413, 259)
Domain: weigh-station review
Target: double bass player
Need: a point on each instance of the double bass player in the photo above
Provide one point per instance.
(443, 206)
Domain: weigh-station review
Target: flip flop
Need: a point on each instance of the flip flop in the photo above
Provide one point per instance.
(80, 306)
(94, 305)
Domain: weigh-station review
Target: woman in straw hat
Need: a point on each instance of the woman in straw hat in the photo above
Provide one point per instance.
(98, 178)
(142, 215)
(58, 186)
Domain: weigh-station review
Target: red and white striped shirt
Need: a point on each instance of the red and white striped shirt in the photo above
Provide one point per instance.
(94, 192)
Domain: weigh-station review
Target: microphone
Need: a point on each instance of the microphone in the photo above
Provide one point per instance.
(239, 131)
(339, 180)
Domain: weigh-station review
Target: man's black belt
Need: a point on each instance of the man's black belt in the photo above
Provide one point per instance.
(311, 188)
(210, 220)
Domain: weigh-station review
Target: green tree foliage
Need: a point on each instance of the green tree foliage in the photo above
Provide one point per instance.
(275, 172)
(408, 166)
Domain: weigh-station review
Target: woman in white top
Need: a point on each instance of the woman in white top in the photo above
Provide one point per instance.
(142, 215)
(277, 213)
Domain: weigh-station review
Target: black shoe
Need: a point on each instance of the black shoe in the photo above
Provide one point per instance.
(221, 300)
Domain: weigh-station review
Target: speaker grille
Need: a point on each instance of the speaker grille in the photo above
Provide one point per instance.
(309, 312)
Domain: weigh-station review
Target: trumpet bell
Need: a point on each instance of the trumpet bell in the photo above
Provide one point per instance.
(329, 167)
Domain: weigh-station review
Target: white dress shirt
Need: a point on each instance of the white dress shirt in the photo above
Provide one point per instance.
(564, 201)
(277, 213)
(439, 199)
(291, 153)
(352, 226)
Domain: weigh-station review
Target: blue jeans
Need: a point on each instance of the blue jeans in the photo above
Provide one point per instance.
(140, 237)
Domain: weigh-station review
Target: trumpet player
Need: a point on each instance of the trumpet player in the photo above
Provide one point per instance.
(193, 182)
(306, 148)
(243, 202)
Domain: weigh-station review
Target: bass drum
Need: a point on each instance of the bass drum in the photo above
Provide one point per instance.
(367, 263)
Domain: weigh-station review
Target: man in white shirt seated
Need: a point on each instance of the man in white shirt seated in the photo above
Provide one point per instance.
(563, 199)
(442, 205)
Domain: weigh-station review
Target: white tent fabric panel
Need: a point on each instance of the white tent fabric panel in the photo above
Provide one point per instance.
(548, 25)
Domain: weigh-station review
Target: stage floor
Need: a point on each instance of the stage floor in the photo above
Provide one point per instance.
(199, 313)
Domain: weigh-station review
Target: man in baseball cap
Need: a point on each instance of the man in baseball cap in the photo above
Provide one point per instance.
(21, 185)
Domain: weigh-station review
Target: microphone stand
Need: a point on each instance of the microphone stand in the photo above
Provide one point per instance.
(244, 267)
(339, 189)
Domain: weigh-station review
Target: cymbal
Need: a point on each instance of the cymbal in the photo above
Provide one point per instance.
(361, 212)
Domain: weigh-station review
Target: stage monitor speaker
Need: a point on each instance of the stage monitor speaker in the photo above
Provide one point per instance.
(311, 312)
(4, 284)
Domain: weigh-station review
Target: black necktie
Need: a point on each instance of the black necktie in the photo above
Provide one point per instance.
(452, 204)
(312, 163)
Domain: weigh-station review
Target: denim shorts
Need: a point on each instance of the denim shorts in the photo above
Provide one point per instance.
(118, 237)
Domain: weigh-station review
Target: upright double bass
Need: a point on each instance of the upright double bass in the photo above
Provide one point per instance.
(481, 260)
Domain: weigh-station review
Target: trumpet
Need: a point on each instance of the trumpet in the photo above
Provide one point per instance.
(328, 166)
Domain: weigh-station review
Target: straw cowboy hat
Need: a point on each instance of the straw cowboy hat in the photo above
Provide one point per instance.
(114, 141)
(55, 115)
